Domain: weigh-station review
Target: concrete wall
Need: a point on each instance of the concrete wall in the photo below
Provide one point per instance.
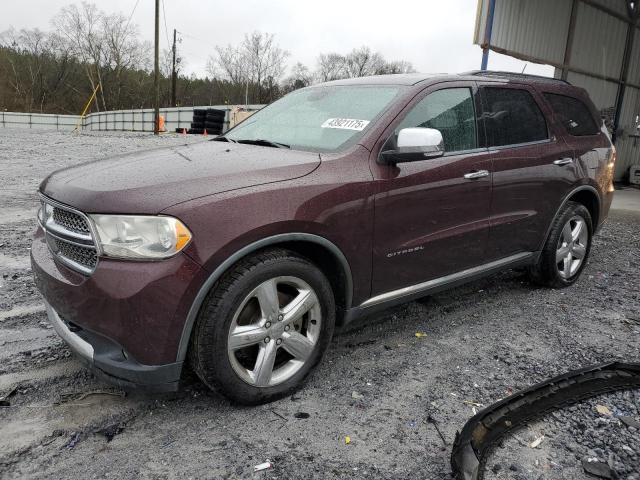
(117, 120)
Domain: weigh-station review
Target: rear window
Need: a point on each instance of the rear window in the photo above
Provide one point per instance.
(511, 116)
(573, 114)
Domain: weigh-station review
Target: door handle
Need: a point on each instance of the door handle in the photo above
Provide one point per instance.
(563, 161)
(476, 174)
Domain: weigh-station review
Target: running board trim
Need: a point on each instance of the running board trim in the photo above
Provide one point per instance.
(441, 281)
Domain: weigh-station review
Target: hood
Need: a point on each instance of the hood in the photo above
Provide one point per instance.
(152, 180)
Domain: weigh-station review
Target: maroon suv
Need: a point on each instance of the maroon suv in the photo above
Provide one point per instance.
(241, 254)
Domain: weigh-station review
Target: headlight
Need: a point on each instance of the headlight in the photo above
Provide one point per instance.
(141, 237)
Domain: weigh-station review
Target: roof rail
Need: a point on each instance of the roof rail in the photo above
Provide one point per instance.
(515, 75)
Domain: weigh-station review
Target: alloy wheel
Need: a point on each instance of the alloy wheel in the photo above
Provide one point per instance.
(274, 331)
(572, 247)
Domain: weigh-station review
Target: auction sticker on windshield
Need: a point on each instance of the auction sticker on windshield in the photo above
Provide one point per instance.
(345, 124)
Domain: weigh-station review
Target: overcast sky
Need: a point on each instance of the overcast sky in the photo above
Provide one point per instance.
(434, 35)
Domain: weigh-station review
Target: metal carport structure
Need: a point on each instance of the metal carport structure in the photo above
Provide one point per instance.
(594, 44)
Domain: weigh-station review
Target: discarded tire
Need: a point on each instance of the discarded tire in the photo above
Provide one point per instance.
(216, 125)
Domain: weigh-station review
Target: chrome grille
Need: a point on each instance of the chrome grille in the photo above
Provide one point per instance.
(70, 220)
(69, 236)
(86, 256)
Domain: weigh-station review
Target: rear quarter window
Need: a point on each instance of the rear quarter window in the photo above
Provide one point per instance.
(511, 116)
(573, 114)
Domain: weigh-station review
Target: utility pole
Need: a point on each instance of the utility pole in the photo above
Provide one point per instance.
(156, 77)
(173, 74)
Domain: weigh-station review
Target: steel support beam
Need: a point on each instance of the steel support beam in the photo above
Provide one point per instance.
(624, 71)
(487, 35)
(570, 34)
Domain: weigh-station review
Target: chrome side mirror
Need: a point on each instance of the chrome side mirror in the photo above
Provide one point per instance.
(415, 144)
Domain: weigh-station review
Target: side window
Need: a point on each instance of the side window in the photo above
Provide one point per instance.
(511, 116)
(573, 114)
(451, 111)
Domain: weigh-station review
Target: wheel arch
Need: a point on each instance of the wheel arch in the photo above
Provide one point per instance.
(586, 195)
(321, 251)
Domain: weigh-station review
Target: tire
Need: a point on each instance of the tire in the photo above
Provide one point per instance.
(216, 125)
(263, 330)
(215, 118)
(568, 245)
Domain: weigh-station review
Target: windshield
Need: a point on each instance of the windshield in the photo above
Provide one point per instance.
(323, 119)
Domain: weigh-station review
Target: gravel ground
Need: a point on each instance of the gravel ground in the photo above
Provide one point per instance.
(378, 384)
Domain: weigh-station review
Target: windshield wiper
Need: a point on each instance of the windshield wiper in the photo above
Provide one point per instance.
(222, 138)
(264, 143)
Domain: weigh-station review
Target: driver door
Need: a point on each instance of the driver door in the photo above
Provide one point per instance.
(431, 220)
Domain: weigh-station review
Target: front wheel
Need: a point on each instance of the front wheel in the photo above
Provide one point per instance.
(264, 327)
(567, 248)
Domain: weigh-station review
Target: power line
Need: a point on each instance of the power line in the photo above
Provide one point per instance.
(211, 45)
(166, 30)
(131, 16)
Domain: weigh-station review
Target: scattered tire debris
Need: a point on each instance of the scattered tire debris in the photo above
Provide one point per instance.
(480, 434)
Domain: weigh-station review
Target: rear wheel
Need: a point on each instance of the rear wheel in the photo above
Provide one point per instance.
(567, 249)
(264, 327)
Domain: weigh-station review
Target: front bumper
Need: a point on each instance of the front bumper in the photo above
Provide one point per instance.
(109, 360)
(126, 319)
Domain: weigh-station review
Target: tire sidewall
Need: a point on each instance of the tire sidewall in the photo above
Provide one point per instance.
(220, 374)
(572, 210)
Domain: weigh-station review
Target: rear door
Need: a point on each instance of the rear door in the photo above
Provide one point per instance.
(430, 220)
(533, 167)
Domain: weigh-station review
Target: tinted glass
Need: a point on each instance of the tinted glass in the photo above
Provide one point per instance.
(573, 114)
(511, 116)
(450, 111)
(321, 119)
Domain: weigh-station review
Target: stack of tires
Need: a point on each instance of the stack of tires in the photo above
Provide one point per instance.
(208, 119)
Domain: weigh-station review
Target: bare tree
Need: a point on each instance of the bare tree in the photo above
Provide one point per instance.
(266, 60)
(258, 61)
(399, 66)
(121, 52)
(331, 66)
(29, 69)
(359, 62)
(230, 63)
(81, 27)
(300, 77)
(362, 62)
